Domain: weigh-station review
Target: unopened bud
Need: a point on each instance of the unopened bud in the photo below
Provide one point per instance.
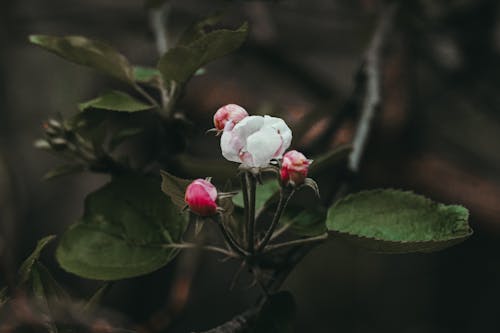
(201, 196)
(294, 168)
(227, 113)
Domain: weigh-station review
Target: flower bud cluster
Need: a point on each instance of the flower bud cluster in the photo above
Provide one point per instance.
(252, 141)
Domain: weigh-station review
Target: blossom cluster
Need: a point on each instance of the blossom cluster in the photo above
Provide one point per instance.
(252, 141)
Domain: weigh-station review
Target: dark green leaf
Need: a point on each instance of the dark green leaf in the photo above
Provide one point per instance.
(4, 298)
(305, 222)
(145, 74)
(63, 170)
(115, 101)
(174, 187)
(121, 135)
(45, 286)
(27, 265)
(181, 62)
(198, 29)
(123, 232)
(276, 315)
(393, 221)
(87, 52)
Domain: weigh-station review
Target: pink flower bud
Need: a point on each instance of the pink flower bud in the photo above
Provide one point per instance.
(294, 168)
(230, 112)
(201, 196)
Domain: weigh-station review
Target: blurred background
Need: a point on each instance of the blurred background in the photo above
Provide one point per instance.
(437, 133)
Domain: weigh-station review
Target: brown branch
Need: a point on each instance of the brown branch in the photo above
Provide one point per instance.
(371, 70)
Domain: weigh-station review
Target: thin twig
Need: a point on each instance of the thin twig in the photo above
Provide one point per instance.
(285, 196)
(201, 247)
(295, 242)
(230, 240)
(144, 94)
(371, 102)
(280, 231)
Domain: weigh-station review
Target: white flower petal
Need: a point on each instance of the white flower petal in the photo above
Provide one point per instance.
(248, 126)
(231, 145)
(262, 146)
(283, 130)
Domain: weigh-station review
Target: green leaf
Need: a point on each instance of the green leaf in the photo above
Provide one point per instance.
(115, 101)
(87, 52)
(276, 315)
(145, 74)
(181, 62)
(174, 187)
(27, 265)
(264, 193)
(4, 297)
(305, 222)
(197, 30)
(393, 221)
(45, 286)
(63, 170)
(123, 232)
(123, 134)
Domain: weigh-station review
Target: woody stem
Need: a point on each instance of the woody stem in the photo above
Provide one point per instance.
(252, 187)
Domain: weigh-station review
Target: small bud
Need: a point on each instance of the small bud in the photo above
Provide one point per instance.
(41, 144)
(294, 168)
(200, 197)
(230, 112)
(58, 143)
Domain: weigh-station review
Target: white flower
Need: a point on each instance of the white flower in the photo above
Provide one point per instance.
(255, 140)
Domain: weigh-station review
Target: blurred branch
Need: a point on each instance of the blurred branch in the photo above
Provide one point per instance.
(371, 70)
(239, 323)
(366, 94)
(158, 18)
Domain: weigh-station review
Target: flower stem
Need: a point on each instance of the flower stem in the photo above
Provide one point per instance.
(230, 240)
(285, 196)
(252, 188)
(144, 94)
(302, 241)
(244, 190)
(202, 247)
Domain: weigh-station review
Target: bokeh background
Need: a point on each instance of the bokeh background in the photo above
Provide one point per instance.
(437, 133)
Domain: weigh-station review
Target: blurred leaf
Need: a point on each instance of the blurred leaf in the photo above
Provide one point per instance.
(394, 221)
(264, 193)
(174, 187)
(305, 222)
(4, 298)
(327, 162)
(181, 62)
(63, 170)
(123, 230)
(277, 314)
(198, 29)
(115, 101)
(96, 298)
(145, 74)
(45, 286)
(87, 52)
(122, 135)
(27, 265)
